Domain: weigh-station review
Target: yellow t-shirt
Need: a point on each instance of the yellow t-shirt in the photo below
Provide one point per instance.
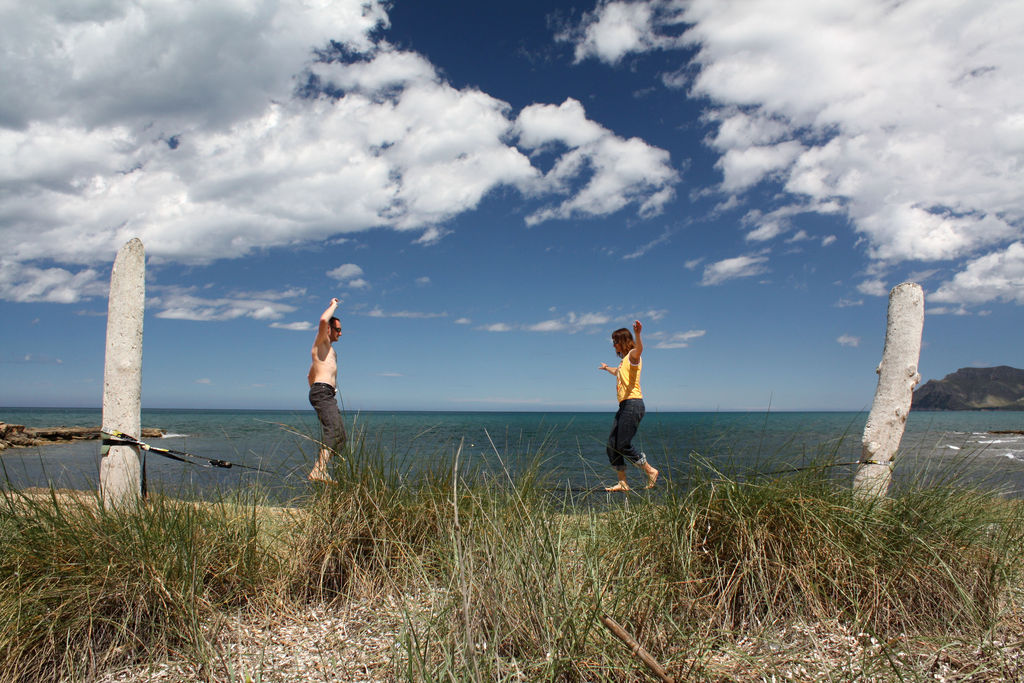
(627, 384)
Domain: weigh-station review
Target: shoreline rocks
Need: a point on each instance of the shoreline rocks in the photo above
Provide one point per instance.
(20, 436)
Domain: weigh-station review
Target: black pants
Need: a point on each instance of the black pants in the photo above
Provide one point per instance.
(620, 441)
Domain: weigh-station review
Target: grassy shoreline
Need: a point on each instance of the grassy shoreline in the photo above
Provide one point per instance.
(482, 576)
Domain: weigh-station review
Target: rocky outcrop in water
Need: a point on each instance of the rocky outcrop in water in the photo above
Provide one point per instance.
(998, 388)
(15, 436)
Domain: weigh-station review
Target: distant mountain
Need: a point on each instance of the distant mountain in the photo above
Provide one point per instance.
(999, 388)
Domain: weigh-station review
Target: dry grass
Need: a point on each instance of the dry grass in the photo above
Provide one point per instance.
(471, 577)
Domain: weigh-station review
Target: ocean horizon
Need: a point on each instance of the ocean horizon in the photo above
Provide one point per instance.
(567, 446)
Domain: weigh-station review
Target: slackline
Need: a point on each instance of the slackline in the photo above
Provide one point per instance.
(116, 438)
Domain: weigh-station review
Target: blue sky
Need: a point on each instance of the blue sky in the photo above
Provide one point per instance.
(492, 188)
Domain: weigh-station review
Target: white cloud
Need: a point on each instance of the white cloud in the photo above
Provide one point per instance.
(873, 288)
(732, 268)
(588, 319)
(571, 322)
(644, 248)
(349, 274)
(300, 326)
(112, 127)
(653, 314)
(463, 321)
(28, 284)
(432, 235)
(420, 315)
(181, 304)
(676, 340)
(765, 231)
(748, 166)
(905, 117)
(848, 340)
(616, 29)
(949, 310)
(423, 281)
(623, 172)
(998, 276)
(346, 271)
(125, 63)
(547, 326)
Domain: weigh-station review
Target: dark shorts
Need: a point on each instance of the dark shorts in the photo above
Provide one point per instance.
(321, 397)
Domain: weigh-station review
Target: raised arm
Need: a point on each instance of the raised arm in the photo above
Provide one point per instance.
(638, 343)
(323, 332)
(610, 370)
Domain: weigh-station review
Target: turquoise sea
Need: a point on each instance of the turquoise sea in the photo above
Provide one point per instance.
(568, 446)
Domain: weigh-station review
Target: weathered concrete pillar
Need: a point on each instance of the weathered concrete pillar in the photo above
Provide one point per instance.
(120, 471)
(897, 377)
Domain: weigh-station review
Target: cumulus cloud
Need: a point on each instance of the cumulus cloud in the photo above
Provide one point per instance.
(349, 274)
(904, 117)
(346, 271)
(621, 172)
(274, 124)
(997, 276)
(615, 29)
(848, 340)
(732, 268)
(26, 284)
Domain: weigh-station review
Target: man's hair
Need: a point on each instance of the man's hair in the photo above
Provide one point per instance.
(623, 337)
(334, 320)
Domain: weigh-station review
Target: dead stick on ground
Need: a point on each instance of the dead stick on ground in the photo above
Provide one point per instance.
(635, 648)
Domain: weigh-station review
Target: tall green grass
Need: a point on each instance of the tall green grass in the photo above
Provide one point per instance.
(499, 579)
(84, 588)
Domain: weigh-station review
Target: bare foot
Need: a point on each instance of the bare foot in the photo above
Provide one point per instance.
(321, 477)
(652, 478)
(618, 487)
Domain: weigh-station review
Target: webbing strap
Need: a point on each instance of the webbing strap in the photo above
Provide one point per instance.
(116, 438)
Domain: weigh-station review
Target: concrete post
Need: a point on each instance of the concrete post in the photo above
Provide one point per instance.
(897, 377)
(120, 470)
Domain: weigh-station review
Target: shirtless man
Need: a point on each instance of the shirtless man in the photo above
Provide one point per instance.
(322, 390)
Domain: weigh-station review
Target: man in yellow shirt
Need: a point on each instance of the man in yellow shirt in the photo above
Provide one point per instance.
(631, 407)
